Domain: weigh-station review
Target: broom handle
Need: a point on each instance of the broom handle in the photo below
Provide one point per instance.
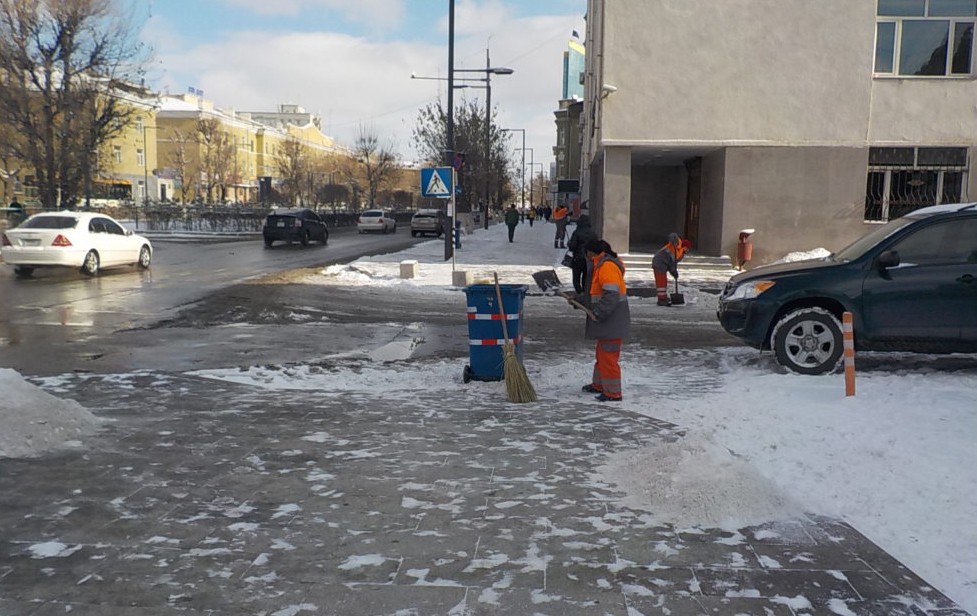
(498, 296)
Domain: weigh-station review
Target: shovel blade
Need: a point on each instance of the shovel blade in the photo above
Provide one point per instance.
(677, 299)
(547, 281)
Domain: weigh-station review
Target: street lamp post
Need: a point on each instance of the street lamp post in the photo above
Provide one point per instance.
(531, 163)
(535, 178)
(523, 167)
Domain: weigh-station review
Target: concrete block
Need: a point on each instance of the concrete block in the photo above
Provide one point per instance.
(461, 278)
(408, 269)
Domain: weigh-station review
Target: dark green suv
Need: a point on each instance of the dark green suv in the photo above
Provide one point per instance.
(911, 285)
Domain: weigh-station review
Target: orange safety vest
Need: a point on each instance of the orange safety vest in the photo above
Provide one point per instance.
(607, 273)
(560, 213)
(678, 251)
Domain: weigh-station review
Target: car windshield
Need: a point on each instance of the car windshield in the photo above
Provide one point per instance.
(373, 214)
(50, 222)
(860, 246)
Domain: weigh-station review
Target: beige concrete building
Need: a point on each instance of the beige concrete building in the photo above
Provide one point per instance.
(808, 121)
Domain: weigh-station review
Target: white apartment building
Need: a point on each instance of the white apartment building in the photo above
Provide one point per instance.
(807, 120)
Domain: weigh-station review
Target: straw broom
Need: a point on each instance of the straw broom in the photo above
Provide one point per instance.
(518, 388)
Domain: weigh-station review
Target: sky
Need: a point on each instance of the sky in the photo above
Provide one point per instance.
(896, 461)
(351, 62)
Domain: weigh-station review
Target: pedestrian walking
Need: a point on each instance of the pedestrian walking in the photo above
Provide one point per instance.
(583, 234)
(531, 215)
(560, 216)
(607, 299)
(665, 262)
(15, 214)
(511, 220)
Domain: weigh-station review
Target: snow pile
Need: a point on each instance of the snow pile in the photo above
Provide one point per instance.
(807, 255)
(33, 421)
(694, 483)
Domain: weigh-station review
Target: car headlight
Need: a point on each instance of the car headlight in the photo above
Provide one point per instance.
(750, 290)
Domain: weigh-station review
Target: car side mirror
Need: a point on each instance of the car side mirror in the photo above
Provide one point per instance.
(889, 258)
(128, 232)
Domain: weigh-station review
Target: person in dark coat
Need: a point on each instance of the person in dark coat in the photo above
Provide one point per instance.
(511, 220)
(583, 234)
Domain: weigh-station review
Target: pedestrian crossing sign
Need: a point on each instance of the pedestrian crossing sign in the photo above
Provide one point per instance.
(436, 182)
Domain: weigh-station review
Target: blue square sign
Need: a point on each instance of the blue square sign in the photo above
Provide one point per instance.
(436, 182)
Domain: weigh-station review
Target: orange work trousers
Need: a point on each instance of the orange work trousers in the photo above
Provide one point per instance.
(661, 285)
(607, 368)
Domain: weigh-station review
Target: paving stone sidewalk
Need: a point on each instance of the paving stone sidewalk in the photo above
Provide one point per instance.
(205, 497)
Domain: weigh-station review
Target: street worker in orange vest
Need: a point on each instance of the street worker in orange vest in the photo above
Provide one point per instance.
(608, 319)
(560, 218)
(666, 262)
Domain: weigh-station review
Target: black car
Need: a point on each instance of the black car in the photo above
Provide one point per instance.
(297, 225)
(911, 285)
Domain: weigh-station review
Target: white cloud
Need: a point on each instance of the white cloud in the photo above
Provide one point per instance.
(352, 81)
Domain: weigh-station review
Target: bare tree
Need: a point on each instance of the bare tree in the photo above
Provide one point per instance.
(430, 139)
(378, 162)
(66, 72)
(217, 157)
(184, 163)
(293, 168)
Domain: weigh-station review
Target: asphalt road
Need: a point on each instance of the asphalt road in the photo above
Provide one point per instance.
(61, 319)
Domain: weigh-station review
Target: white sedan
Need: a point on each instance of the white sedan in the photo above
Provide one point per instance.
(380, 221)
(73, 239)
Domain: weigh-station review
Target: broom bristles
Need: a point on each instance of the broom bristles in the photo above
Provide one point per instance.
(517, 384)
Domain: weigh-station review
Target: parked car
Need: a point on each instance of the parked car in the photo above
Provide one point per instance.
(294, 225)
(911, 285)
(380, 221)
(427, 221)
(84, 240)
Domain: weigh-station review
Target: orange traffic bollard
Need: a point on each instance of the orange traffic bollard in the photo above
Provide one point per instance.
(848, 335)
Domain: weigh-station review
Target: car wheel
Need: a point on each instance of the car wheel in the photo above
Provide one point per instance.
(23, 272)
(268, 242)
(325, 236)
(304, 239)
(145, 257)
(90, 265)
(808, 341)
(395, 228)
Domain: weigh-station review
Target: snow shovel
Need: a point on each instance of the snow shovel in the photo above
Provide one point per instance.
(549, 283)
(677, 299)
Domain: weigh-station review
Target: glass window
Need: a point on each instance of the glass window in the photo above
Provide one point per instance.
(885, 47)
(914, 38)
(902, 180)
(953, 8)
(949, 157)
(930, 245)
(140, 157)
(923, 49)
(891, 156)
(963, 48)
(902, 8)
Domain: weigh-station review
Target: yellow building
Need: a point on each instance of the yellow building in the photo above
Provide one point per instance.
(226, 165)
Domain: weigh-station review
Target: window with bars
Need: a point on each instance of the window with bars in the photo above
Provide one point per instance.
(901, 180)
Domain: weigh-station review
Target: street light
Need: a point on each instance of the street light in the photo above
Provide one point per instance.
(532, 183)
(523, 167)
(531, 163)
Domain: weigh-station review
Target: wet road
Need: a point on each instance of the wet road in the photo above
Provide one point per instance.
(38, 316)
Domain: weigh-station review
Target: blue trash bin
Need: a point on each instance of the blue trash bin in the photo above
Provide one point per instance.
(485, 337)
